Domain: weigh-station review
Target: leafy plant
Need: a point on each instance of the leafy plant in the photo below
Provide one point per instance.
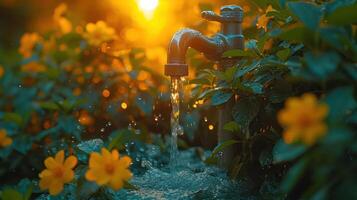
(303, 47)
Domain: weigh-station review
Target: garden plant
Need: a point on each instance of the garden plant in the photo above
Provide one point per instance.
(85, 105)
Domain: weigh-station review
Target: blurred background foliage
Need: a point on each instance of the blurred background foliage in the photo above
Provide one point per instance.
(61, 85)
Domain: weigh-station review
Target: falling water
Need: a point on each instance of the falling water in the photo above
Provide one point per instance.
(176, 129)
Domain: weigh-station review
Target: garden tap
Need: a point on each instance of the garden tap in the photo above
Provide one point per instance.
(229, 37)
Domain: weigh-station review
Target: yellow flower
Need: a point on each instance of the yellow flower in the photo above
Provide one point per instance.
(27, 43)
(98, 33)
(63, 23)
(58, 172)
(33, 67)
(108, 169)
(264, 19)
(49, 45)
(303, 119)
(4, 139)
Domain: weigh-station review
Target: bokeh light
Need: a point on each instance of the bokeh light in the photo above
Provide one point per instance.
(106, 93)
(210, 127)
(124, 105)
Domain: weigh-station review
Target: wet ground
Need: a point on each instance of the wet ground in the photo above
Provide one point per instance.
(155, 179)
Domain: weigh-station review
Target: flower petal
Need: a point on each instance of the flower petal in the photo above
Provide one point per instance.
(6, 142)
(98, 175)
(90, 176)
(126, 174)
(59, 157)
(45, 183)
(70, 162)
(95, 160)
(105, 153)
(116, 184)
(45, 173)
(68, 176)
(2, 134)
(115, 154)
(50, 163)
(56, 187)
(125, 161)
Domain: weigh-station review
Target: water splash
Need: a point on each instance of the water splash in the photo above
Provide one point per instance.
(176, 129)
(192, 179)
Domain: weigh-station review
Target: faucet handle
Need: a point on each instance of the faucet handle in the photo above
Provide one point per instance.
(230, 13)
(211, 16)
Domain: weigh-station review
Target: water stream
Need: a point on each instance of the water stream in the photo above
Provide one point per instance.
(176, 129)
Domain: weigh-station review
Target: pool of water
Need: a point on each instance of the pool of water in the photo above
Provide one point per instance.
(191, 179)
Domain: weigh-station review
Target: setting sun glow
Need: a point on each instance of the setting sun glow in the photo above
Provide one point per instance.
(148, 5)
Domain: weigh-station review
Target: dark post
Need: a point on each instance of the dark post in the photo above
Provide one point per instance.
(232, 29)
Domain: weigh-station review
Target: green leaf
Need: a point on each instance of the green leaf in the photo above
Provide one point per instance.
(322, 65)
(320, 194)
(119, 138)
(238, 53)
(254, 87)
(206, 93)
(11, 194)
(308, 13)
(129, 186)
(13, 117)
(265, 158)
(242, 71)
(25, 186)
(341, 102)
(49, 105)
(297, 34)
(90, 146)
(343, 16)
(231, 126)
(283, 54)
(70, 125)
(337, 136)
(245, 110)
(251, 44)
(262, 41)
(229, 73)
(293, 175)
(201, 81)
(222, 146)
(221, 97)
(283, 152)
(86, 189)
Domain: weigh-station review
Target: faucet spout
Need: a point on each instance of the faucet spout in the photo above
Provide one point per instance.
(213, 48)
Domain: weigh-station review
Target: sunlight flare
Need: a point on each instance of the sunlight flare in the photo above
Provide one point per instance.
(148, 5)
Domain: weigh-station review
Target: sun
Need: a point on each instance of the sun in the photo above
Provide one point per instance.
(148, 5)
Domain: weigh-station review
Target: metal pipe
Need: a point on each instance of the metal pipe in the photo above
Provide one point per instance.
(185, 38)
(230, 37)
